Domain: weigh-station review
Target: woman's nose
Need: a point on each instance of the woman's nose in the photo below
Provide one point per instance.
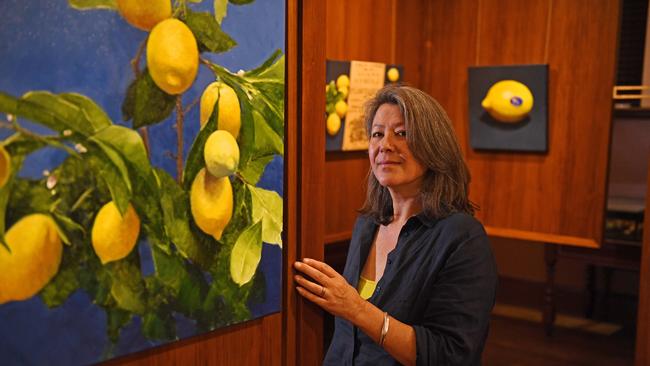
(386, 143)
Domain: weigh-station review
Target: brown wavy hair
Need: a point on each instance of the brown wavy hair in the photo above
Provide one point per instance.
(431, 139)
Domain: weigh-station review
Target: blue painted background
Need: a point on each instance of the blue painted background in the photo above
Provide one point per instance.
(48, 46)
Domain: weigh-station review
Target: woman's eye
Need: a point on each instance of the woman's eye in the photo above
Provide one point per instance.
(401, 133)
(376, 134)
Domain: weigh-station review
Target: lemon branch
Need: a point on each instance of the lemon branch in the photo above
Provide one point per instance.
(135, 62)
(179, 139)
(49, 140)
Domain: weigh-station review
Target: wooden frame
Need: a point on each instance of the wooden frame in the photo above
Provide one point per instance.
(304, 175)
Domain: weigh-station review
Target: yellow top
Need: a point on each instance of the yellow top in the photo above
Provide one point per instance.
(366, 287)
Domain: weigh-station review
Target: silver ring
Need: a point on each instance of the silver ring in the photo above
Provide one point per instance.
(322, 291)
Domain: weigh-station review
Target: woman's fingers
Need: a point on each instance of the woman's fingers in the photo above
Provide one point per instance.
(321, 266)
(312, 272)
(311, 297)
(314, 288)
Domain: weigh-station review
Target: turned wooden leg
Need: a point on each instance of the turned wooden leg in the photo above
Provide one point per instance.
(590, 301)
(607, 278)
(550, 257)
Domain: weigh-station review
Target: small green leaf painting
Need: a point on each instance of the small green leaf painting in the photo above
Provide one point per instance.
(83, 124)
(266, 206)
(246, 254)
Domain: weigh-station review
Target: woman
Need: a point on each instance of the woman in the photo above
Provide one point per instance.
(420, 279)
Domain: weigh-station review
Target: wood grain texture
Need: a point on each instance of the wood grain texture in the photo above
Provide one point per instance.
(360, 30)
(253, 343)
(411, 39)
(290, 254)
(642, 356)
(562, 192)
(512, 32)
(310, 155)
(356, 30)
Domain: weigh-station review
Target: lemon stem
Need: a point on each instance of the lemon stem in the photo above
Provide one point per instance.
(135, 62)
(179, 139)
(144, 132)
(82, 198)
(239, 176)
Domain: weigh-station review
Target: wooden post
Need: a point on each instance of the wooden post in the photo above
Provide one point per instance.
(550, 257)
(642, 357)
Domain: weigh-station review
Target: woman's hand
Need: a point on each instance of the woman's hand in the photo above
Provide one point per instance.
(330, 290)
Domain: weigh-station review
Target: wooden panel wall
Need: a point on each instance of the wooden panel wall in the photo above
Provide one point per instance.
(366, 30)
(555, 197)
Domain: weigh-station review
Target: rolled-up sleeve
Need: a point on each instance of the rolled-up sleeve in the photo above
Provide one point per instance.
(456, 319)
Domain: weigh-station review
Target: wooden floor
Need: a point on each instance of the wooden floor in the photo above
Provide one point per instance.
(520, 342)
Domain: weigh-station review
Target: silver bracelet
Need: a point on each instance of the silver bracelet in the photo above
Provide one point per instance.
(384, 329)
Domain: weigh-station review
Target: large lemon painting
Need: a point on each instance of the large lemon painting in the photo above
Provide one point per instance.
(32, 260)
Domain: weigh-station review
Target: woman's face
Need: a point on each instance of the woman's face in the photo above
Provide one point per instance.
(391, 160)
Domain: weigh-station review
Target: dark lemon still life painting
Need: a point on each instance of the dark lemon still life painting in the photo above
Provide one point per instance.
(141, 173)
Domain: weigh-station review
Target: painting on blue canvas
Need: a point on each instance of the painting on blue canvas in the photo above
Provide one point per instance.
(141, 173)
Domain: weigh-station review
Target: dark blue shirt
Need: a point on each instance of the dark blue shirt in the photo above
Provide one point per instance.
(441, 279)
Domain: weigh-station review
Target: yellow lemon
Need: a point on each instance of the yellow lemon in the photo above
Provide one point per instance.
(34, 258)
(341, 108)
(393, 74)
(144, 14)
(211, 202)
(343, 81)
(172, 56)
(508, 101)
(333, 124)
(5, 166)
(221, 154)
(114, 236)
(229, 109)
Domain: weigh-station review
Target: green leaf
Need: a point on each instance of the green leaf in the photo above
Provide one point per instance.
(127, 288)
(159, 325)
(266, 64)
(247, 129)
(66, 225)
(241, 2)
(175, 207)
(112, 168)
(60, 287)
(220, 10)
(67, 114)
(93, 4)
(58, 112)
(102, 167)
(130, 146)
(195, 161)
(96, 116)
(246, 254)
(187, 284)
(146, 103)
(208, 33)
(253, 171)
(266, 140)
(116, 319)
(267, 208)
